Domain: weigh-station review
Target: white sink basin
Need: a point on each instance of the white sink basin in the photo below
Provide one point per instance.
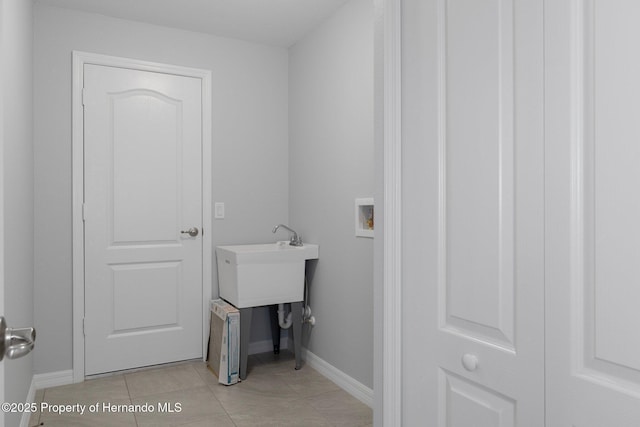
(264, 274)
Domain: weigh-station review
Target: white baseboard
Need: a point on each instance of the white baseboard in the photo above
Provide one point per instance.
(31, 398)
(53, 379)
(267, 345)
(352, 386)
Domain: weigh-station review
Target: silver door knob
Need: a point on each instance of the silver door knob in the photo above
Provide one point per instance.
(15, 342)
(193, 231)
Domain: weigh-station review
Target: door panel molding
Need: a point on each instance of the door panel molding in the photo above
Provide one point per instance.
(591, 210)
(470, 403)
(125, 197)
(596, 322)
(126, 316)
(476, 116)
(79, 60)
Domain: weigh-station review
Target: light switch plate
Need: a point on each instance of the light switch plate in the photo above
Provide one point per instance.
(218, 210)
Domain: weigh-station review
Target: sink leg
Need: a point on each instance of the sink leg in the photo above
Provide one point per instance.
(275, 328)
(245, 334)
(296, 315)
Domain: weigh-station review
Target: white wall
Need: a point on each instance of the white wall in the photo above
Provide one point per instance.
(17, 110)
(331, 163)
(250, 146)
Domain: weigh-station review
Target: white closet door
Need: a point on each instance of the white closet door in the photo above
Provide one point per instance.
(593, 212)
(473, 213)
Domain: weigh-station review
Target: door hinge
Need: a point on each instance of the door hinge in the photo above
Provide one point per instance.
(84, 212)
(84, 92)
(83, 327)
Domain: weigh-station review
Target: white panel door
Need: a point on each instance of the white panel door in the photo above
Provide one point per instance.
(473, 211)
(593, 212)
(143, 184)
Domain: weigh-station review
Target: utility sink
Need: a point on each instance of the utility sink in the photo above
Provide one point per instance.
(263, 274)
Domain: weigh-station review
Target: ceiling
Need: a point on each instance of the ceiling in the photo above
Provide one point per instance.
(274, 22)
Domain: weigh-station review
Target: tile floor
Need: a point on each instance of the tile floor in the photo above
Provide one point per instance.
(274, 394)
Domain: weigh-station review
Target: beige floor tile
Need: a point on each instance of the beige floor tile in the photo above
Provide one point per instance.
(296, 414)
(284, 361)
(163, 380)
(217, 421)
(274, 394)
(342, 409)
(34, 419)
(208, 377)
(91, 419)
(190, 406)
(258, 390)
(104, 389)
(254, 362)
(307, 381)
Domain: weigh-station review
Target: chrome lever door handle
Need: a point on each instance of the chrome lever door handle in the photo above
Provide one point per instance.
(19, 342)
(15, 342)
(193, 231)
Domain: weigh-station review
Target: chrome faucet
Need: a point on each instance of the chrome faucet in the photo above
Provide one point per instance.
(294, 240)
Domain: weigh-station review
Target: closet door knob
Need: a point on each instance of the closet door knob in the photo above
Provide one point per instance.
(470, 362)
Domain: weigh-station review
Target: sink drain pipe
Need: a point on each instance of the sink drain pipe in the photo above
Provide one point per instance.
(284, 324)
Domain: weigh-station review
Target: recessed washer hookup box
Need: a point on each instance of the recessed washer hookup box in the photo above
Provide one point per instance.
(224, 342)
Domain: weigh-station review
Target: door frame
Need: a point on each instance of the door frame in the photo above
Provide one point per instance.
(77, 148)
(388, 45)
